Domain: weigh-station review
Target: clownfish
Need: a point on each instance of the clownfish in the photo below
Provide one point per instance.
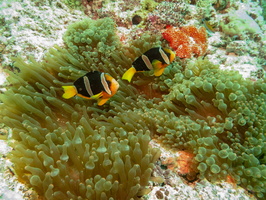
(156, 59)
(93, 85)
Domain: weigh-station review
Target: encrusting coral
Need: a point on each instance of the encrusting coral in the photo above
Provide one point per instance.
(73, 149)
(187, 40)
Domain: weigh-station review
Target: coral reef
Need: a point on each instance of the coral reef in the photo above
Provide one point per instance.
(148, 5)
(32, 27)
(76, 4)
(177, 186)
(9, 181)
(168, 13)
(187, 41)
(240, 22)
(263, 5)
(220, 117)
(215, 116)
(183, 164)
(70, 148)
(201, 190)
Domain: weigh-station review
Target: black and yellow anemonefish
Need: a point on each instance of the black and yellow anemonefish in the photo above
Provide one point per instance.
(93, 85)
(156, 59)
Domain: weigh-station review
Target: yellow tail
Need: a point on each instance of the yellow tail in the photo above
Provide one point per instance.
(70, 91)
(129, 74)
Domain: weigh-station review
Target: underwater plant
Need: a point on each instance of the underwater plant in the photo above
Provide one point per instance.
(72, 148)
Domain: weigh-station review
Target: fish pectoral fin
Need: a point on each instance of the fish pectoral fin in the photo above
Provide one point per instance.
(129, 74)
(158, 67)
(69, 91)
(157, 64)
(158, 72)
(102, 101)
(97, 96)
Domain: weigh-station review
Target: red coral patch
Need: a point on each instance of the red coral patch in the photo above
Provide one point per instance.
(187, 41)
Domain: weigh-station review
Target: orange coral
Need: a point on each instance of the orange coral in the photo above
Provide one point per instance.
(231, 180)
(186, 41)
(183, 164)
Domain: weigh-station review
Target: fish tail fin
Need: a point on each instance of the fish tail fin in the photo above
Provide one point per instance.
(69, 91)
(129, 74)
